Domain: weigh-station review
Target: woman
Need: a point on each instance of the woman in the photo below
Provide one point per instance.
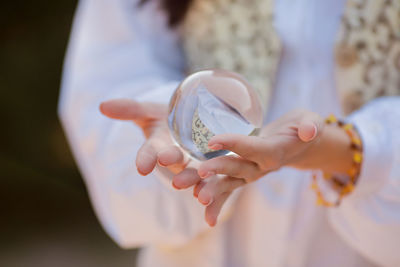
(299, 55)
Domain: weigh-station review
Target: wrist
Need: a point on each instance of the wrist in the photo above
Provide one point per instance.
(334, 154)
(330, 152)
(337, 172)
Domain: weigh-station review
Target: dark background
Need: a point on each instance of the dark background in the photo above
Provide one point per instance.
(46, 218)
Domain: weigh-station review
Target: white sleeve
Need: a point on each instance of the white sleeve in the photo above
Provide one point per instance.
(119, 50)
(369, 219)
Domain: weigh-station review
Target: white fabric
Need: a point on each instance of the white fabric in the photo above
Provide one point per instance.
(117, 50)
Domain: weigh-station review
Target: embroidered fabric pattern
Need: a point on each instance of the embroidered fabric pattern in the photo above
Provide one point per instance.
(368, 53)
(235, 35)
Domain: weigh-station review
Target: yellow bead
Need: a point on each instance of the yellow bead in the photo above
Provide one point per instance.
(331, 119)
(356, 141)
(348, 127)
(357, 157)
(314, 186)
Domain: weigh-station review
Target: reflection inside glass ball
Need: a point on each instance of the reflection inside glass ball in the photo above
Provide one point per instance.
(209, 103)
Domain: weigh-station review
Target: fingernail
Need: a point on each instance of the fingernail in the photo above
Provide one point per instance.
(208, 202)
(174, 186)
(159, 163)
(216, 147)
(315, 132)
(206, 175)
(141, 173)
(212, 224)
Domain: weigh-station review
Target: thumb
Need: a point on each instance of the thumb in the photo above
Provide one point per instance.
(307, 131)
(127, 109)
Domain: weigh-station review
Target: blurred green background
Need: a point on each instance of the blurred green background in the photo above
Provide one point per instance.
(46, 216)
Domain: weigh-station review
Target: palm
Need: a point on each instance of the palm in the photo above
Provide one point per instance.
(152, 119)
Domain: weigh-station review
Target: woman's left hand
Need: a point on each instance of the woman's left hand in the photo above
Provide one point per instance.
(297, 140)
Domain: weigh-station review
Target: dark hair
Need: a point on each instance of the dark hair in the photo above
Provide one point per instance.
(176, 9)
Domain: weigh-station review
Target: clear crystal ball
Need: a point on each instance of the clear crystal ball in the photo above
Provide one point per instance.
(209, 103)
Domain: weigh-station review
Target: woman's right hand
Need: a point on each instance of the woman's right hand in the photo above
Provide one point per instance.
(158, 147)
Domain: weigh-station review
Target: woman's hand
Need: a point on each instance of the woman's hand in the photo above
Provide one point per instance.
(282, 142)
(299, 139)
(152, 119)
(158, 148)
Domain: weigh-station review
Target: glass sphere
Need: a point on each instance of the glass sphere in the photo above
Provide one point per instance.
(209, 103)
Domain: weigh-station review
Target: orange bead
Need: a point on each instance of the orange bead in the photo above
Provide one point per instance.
(352, 172)
(348, 189)
(349, 133)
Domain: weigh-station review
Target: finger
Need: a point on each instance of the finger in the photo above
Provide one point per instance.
(198, 187)
(185, 179)
(170, 156)
(310, 127)
(146, 159)
(217, 186)
(307, 131)
(229, 165)
(249, 147)
(214, 209)
(127, 109)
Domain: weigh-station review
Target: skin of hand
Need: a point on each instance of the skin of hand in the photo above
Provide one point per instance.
(158, 147)
(152, 119)
(299, 139)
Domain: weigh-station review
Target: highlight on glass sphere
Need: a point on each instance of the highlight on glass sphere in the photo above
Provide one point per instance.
(209, 103)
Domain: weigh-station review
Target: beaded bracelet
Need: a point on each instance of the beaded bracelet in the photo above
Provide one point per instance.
(342, 186)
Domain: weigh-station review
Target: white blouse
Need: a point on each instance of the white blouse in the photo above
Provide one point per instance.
(119, 50)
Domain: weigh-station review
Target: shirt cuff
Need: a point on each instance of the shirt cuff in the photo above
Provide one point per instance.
(377, 154)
